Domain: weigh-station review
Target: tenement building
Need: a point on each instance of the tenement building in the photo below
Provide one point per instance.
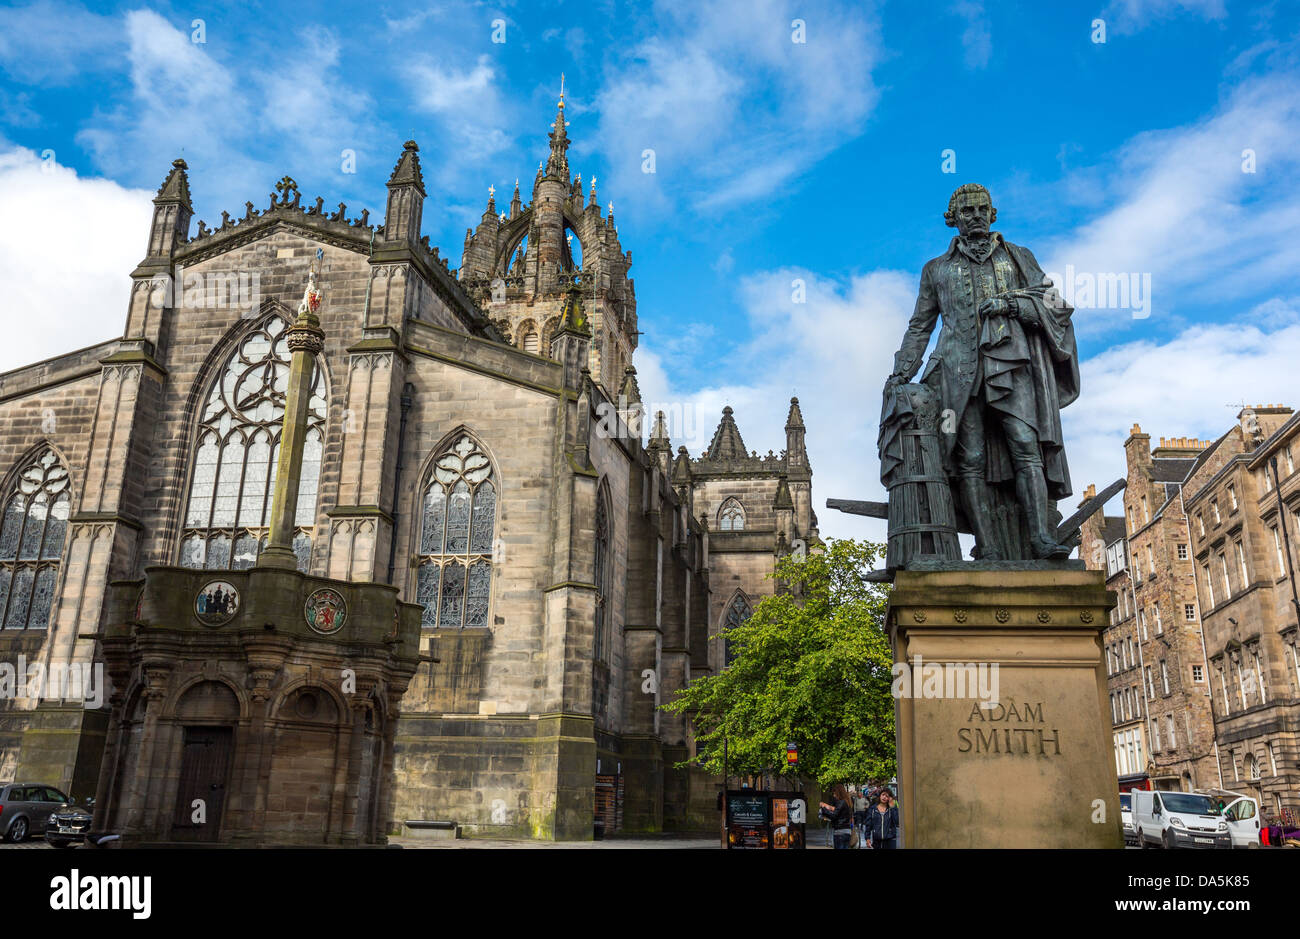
(1163, 727)
(1104, 547)
(1243, 499)
(473, 438)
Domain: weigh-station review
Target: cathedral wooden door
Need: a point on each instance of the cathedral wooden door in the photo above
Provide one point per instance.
(205, 765)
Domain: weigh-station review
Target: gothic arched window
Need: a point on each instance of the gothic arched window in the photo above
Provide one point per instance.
(731, 517)
(31, 542)
(601, 573)
(237, 452)
(529, 341)
(737, 614)
(459, 524)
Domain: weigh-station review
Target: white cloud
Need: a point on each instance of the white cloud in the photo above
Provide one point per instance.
(976, 40)
(239, 127)
(1182, 209)
(181, 99)
(50, 43)
(67, 261)
(731, 106)
(836, 350)
(468, 105)
(1130, 16)
(1189, 386)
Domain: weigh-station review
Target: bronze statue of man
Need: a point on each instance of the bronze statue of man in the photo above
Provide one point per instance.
(1004, 366)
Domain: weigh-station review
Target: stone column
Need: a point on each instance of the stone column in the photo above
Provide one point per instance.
(305, 339)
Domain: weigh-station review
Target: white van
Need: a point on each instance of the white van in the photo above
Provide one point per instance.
(1178, 820)
(1241, 812)
(1126, 818)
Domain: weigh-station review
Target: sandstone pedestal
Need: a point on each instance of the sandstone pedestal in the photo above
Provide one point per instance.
(1037, 768)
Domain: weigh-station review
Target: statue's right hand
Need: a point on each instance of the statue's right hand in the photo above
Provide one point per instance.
(895, 380)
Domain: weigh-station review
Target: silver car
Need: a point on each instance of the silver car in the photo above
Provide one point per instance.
(25, 807)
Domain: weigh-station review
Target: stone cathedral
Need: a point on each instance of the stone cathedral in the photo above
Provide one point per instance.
(472, 437)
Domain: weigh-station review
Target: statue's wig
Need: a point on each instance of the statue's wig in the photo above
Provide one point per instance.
(950, 217)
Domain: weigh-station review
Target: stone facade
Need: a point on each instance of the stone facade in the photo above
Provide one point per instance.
(1244, 501)
(254, 726)
(1206, 555)
(595, 573)
(1154, 649)
(1104, 547)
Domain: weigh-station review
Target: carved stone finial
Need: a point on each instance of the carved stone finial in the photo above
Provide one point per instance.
(289, 194)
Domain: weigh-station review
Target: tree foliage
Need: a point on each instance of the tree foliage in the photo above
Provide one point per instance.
(812, 666)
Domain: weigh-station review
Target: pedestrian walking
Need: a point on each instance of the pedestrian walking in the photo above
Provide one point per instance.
(860, 806)
(841, 817)
(882, 822)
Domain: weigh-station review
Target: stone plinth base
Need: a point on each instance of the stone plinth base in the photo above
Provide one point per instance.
(1034, 770)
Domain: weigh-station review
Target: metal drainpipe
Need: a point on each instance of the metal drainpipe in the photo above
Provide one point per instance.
(407, 391)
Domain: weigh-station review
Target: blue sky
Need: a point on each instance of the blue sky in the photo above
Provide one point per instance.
(776, 161)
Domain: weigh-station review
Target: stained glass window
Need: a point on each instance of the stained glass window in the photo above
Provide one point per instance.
(32, 531)
(736, 615)
(731, 517)
(601, 574)
(460, 505)
(236, 452)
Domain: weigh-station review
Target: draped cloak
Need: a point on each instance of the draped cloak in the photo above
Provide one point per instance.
(1027, 371)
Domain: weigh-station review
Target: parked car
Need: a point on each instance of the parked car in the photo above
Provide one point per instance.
(68, 824)
(1178, 820)
(1241, 812)
(24, 808)
(1126, 818)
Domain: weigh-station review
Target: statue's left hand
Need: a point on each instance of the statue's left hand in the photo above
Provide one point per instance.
(993, 307)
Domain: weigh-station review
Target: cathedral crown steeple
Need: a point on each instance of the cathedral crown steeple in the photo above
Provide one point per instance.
(521, 264)
(558, 164)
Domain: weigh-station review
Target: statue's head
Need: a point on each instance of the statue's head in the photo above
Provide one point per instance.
(970, 209)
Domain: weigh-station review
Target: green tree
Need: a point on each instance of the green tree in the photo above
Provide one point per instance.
(811, 666)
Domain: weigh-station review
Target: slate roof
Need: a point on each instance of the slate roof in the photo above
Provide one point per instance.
(1112, 529)
(1169, 470)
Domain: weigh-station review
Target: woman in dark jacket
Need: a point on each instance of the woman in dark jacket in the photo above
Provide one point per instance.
(882, 821)
(841, 816)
